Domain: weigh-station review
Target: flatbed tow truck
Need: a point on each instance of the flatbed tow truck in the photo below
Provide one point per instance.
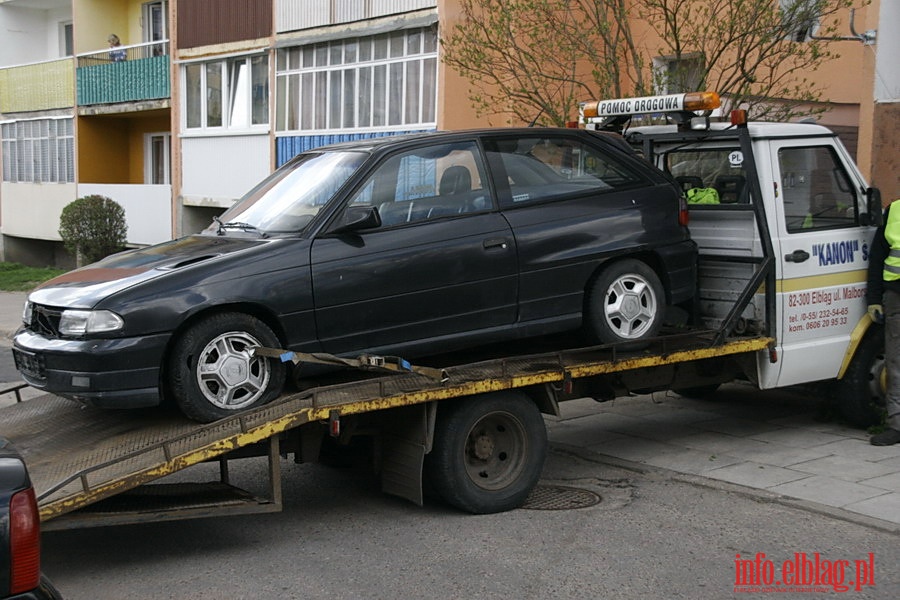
(476, 428)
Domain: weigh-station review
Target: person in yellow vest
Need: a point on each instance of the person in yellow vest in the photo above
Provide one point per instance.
(883, 298)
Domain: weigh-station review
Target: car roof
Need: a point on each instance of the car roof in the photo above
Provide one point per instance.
(377, 143)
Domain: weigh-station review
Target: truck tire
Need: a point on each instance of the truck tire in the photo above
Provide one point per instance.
(212, 372)
(860, 395)
(626, 303)
(488, 452)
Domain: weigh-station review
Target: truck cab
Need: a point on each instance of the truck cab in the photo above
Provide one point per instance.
(784, 230)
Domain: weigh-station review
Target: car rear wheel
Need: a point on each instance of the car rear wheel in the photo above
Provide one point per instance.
(626, 303)
(214, 373)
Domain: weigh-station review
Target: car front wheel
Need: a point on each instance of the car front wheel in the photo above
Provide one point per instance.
(626, 303)
(214, 373)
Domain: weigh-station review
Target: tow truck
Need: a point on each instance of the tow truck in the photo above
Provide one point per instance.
(780, 302)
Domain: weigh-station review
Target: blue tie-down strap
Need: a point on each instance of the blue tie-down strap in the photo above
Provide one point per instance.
(365, 362)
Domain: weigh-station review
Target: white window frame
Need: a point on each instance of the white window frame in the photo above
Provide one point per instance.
(149, 164)
(227, 99)
(147, 10)
(661, 65)
(341, 67)
(38, 150)
(800, 30)
(63, 26)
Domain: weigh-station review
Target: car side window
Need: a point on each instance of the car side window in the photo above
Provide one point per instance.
(427, 183)
(816, 191)
(545, 167)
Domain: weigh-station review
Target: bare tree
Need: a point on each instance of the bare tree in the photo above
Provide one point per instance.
(757, 53)
(519, 57)
(529, 60)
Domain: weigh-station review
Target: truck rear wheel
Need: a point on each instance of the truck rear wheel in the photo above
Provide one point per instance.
(860, 395)
(488, 452)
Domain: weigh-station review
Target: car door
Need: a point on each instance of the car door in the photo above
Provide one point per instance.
(823, 256)
(442, 263)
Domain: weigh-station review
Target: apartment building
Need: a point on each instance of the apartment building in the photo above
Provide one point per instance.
(203, 98)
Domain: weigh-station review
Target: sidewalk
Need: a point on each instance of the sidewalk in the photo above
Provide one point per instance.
(773, 441)
(11, 304)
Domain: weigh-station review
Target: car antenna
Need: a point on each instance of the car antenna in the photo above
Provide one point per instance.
(536, 117)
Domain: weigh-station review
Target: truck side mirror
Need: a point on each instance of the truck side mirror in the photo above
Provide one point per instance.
(874, 209)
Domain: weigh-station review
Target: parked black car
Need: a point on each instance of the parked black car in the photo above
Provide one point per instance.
(20, 533)
(400, 245)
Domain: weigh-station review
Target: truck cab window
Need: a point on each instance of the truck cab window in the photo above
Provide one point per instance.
(816, 190)
(719, 169)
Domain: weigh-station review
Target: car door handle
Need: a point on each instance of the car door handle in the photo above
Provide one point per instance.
(491, 243)
(797, 256)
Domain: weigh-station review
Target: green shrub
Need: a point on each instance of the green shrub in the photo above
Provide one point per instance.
(92, 228)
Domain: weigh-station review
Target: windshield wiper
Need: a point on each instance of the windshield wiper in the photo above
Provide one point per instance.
(237, 225)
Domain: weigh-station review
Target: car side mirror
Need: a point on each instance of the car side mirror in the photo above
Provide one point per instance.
(357, 218)
(874, 209)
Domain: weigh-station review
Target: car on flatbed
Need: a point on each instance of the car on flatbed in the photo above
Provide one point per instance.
(20, 533)
(408, 245)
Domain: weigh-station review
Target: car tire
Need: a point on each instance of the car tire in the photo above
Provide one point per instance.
(213, 373)
(625, 303)
(488, 452)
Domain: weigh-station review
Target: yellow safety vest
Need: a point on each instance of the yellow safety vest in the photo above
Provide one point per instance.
(892, 235)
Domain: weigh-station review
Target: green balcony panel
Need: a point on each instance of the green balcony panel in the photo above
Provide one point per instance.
(39, 86)
(127, 81)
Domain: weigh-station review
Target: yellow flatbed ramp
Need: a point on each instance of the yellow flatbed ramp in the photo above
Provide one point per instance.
(79, 455)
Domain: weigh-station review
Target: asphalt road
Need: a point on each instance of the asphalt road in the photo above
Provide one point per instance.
(655, 534)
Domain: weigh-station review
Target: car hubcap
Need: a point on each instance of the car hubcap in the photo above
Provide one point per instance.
(630, 307)
(495, 450)
(228, 374)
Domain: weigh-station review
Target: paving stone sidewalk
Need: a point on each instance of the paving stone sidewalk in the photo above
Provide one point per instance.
(778, 441)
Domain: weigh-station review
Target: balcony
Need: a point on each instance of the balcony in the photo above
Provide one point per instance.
(126, 74)
(38, 86)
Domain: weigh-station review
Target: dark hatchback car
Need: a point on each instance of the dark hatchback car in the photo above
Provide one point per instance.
(407, 245)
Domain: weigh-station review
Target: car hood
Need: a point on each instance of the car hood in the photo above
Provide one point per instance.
(85, 287)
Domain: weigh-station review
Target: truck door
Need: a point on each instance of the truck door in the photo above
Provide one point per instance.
(822, 253)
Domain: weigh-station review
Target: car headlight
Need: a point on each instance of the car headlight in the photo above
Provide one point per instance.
(27, 312)
(81, 322)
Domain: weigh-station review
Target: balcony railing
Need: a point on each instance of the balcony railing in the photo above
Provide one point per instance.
(124, 74)
(37, 86)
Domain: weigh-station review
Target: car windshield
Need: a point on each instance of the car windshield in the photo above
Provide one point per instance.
(292, 196)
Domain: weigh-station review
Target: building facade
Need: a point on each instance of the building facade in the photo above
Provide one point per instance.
(201, 99)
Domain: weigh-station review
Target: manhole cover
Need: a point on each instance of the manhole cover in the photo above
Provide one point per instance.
(560, 497)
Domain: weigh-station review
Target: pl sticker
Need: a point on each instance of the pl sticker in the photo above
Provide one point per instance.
(736, 158)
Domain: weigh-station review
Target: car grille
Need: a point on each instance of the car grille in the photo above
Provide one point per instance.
(45, 320)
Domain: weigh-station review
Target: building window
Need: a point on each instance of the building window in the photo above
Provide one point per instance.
(38, 151)
(231, 94)
(678, 75)
(156, 158)
(66, 39)
(379, 82)
(800, 19)
(153, 15)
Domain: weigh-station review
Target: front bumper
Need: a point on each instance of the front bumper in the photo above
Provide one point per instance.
(109, 373)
